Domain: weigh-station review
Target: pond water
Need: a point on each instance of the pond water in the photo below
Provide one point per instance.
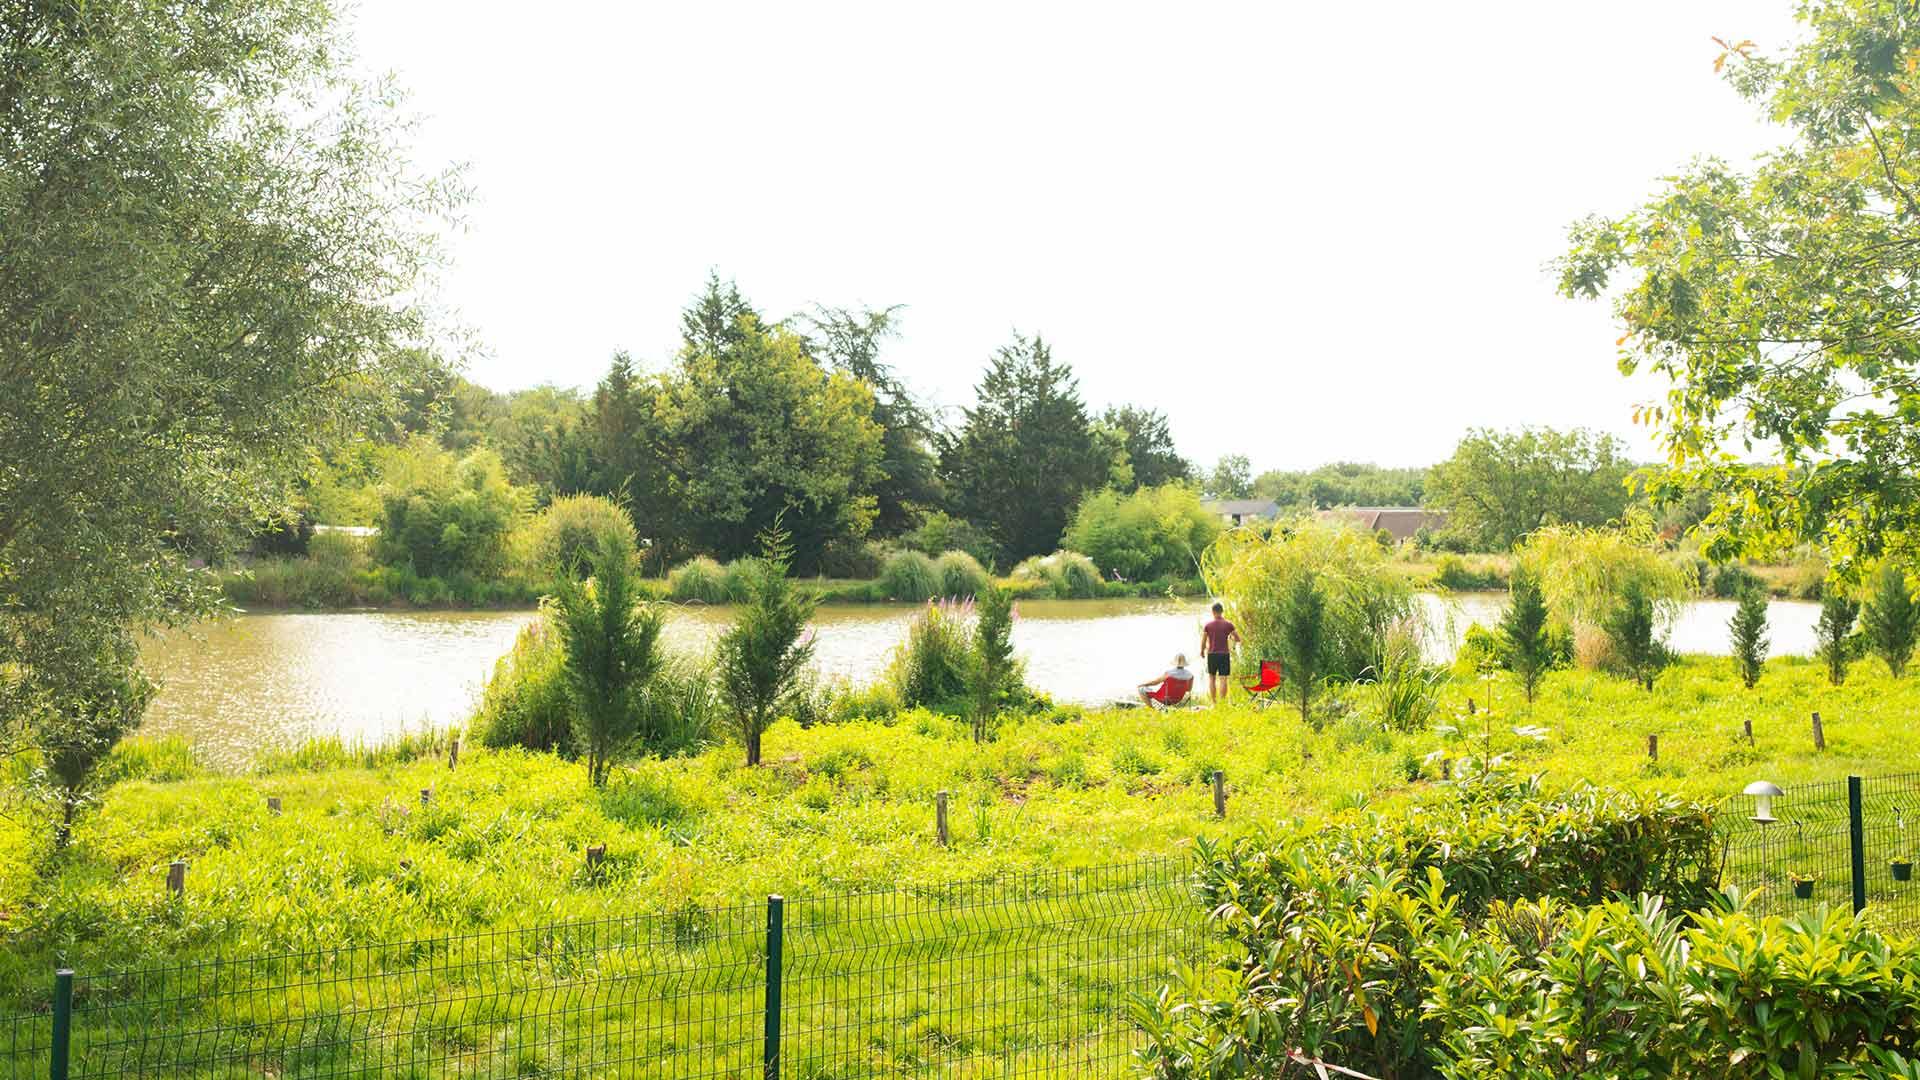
(274, 679)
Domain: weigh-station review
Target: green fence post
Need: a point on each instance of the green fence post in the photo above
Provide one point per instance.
(776, 931)
(1857, 843)
(62, 1022)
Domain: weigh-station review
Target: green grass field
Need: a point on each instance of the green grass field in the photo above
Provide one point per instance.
(355, 862)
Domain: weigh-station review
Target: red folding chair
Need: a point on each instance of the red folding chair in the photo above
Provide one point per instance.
(1264, 688)
(1169, 693)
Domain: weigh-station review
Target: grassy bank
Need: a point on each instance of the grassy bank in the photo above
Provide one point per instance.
(314, 585)
(354, 857)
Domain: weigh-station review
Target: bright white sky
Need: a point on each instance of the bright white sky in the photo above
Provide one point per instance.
(1308, 232)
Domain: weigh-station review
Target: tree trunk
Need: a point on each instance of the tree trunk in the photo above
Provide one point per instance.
(64, 834)
(753, 748)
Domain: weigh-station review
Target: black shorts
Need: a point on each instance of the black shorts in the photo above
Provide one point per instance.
(1219, 663)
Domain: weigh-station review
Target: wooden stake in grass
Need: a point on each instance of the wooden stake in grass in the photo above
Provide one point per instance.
(453, 754)
(1819, 734)
(596, 854)
(1653, 747)
(1748, 725)
(177, 877)
(1219, 794)
(426, 796)
(940, 816)
(273, 804)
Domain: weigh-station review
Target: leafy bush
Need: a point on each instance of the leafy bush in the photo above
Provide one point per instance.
(852, 560)
(961, 575)
(525, 703)
(1067, 575)
(995, 672)
(939, 532)
(1731, 580)
(742, 576)
(1891, 620)
(700, 580)
(1454, 573)
(1336, 926)
(344, 552)
(1152, 532)
(932, 668)
(442, 515)
(909, 576)
(562, 538)
(1405, 688)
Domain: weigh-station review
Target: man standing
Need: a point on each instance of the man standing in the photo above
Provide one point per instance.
(1215, 639)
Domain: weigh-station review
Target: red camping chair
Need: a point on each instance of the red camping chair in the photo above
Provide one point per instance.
(1169, 693)
(1264, 688)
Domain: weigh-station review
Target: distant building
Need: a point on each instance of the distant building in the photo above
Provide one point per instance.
(1242, 511)
(1400, 522)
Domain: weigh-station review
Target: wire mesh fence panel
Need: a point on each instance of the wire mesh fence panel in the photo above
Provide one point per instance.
(1891, 809)
(1803, 857)
(1030, 976)
(658, 996)
(26, 1043)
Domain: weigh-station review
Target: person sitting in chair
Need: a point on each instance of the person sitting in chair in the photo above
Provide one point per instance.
(1170, 686)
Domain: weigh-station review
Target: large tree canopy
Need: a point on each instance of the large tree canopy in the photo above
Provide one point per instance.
(208, 245)
(1501, 485)
(850, 340)
(1026, 453)
(1783, 300)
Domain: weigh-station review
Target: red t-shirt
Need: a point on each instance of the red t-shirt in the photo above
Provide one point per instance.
(1217, 632)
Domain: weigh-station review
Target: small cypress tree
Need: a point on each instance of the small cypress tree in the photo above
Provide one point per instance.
(759, 658)
(1523, 629)
(1642, 656)
(1749, 629)
(1837, 614)
(995, 671)
(1302, 621)
(1891, 620)
(611, 640)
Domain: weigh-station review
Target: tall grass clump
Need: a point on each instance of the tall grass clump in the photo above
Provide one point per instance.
(1068, 575)
(961, 575)
(680, 707)
(931, 669)
(741, 575)
(1589, 574)
(698, 580)
(910, 576)
(526, 702)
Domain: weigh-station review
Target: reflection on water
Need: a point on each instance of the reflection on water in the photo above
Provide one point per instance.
(274, 679)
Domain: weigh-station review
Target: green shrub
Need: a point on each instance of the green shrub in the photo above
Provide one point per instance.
(1731, 580)
(938, 532)
(562, 538)
(339, 551)
(698, 579)
(680, 707)
(961, 576)
(611, 642)
(1526, 648)
(526, 703)
(1151, 532)
(910, 576)
(1454, 573)
(851, 560)
(1637, 647)
(760, 660)
(442, 515)
(1335, 927)
(741, 576)
(1067, 575)
(1588, 575)
(931, 669)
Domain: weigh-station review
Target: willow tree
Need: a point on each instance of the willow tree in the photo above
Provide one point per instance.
(209, 242)
(1778, 299)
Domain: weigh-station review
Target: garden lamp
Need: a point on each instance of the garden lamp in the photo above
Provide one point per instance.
(1763, 792)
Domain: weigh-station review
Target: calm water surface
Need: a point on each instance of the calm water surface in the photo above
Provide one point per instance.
(275, 679)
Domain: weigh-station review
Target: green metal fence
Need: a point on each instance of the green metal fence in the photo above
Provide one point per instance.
(1021, 976)
(1846, 843)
